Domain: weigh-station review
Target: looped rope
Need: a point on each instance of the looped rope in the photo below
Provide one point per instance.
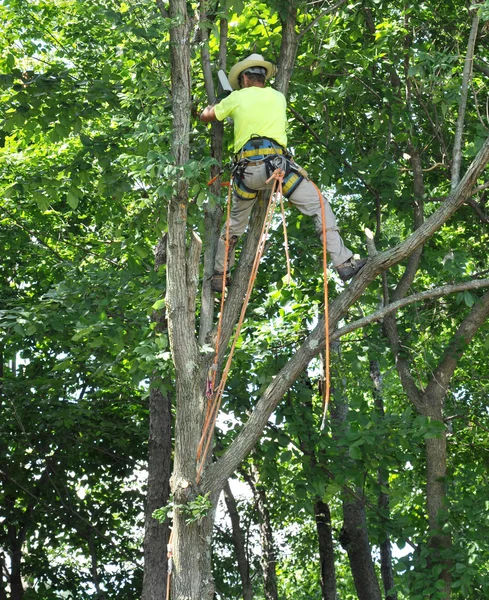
(213, 407)
(278, 175)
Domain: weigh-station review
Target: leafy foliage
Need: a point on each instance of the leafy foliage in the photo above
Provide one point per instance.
(86, 175)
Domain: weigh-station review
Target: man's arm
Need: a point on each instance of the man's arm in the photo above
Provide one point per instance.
(208, 114)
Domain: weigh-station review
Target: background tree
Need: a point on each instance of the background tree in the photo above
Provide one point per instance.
(100, 155)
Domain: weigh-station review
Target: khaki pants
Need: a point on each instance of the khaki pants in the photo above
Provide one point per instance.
(304, 197)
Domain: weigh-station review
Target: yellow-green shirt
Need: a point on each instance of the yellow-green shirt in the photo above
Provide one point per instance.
(255, 111)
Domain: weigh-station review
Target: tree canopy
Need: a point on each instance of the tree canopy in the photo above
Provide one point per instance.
(101, 155)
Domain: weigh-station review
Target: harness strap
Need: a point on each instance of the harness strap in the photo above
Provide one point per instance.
(260, 152)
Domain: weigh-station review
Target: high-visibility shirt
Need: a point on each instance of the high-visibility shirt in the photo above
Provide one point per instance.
(256, 112)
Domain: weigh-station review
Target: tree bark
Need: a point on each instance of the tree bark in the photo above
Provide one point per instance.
(386, 570)
(322, 516)
(354, 533)
(191, 579)
(268, 554)
(159, 469)
(239, 543)
(464, 89)
(159, 465)
(354, 539)
(16, 540)
(212, 214)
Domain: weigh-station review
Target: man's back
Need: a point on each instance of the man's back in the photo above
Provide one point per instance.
(256, 111)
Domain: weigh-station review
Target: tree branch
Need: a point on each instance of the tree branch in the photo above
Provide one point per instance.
(326, 11)
(467, 72)
(395, 306)
(250, 433)
(438, 385)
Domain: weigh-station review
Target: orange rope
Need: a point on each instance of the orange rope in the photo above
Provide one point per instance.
(286, 239)
(208, 429)
(213, 406)
(213, 370)
(327, 385)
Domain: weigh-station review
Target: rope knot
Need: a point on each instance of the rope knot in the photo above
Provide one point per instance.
(278, 175)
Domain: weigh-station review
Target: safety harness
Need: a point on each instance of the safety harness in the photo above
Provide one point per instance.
(263, 150)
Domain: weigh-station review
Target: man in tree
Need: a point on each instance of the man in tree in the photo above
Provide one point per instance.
(260, 140)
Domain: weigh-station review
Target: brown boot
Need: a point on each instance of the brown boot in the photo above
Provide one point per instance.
(216, 282)
(350, 268)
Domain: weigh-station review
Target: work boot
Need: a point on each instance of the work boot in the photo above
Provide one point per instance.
(216, 282)
(350, 268)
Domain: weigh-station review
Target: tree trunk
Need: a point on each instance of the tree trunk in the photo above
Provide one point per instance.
(159, 468)
(386, 570)
(322, 515)
(354, 539)
(192, 558)
(354, 534)
(436, 494)
(268, 554)
(159, 465)
(239, 543)
(16, 587)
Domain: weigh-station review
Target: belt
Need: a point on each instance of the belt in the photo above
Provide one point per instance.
(258, 147)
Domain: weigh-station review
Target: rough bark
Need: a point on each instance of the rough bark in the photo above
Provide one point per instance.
(268, 558)
(239, 543)
(159, 469)
(322, 516)
(354, 539)
(191, 543)
(386, 570)
(159, 464)
(288, 49)
(354, 533)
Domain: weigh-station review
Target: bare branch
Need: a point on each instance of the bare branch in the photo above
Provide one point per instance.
(395, 306)
(467, 73)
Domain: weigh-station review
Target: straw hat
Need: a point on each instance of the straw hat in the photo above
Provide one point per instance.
(253, 60)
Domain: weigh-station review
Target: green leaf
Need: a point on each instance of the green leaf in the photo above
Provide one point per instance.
(72, 199)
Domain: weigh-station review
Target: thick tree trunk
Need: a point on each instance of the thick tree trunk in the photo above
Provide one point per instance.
(239, 543)
(192, 558)
(322, 515)
(191, 577)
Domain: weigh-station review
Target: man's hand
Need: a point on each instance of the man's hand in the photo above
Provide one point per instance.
(208, 114)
